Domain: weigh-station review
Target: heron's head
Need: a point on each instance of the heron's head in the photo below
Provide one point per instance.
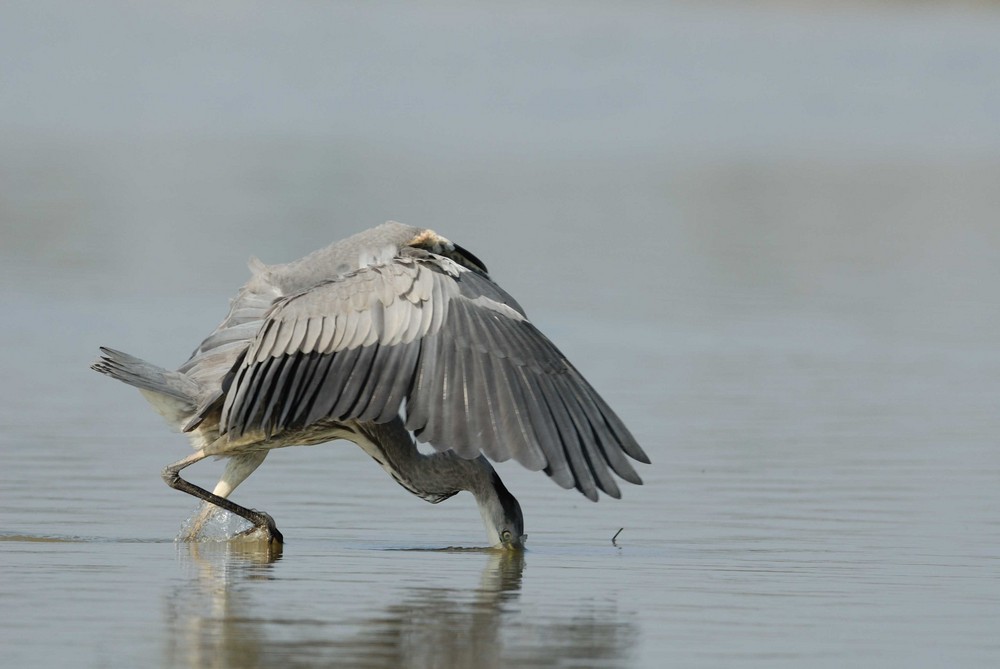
(502, 516)
(435, 243)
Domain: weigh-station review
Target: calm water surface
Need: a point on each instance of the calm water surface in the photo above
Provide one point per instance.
(803, 337)
(815, 501)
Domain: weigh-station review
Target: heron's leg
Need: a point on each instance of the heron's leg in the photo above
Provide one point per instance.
(238, 468)
(172, 477)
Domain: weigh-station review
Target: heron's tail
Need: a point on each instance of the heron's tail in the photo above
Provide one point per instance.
(174, 395)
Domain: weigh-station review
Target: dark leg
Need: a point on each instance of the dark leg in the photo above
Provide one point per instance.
(238, 468)
(261, 520)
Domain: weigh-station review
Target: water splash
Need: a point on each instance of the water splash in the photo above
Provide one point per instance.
(210, 523)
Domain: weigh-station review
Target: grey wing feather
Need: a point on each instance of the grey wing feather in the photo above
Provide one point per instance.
(475, 374)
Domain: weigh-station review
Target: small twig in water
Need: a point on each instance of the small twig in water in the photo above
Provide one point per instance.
(613, 542)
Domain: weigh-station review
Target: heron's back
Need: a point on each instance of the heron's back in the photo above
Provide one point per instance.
(216, 355)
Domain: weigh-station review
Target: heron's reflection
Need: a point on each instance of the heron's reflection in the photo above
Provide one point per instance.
(202, 615)
(221, 619)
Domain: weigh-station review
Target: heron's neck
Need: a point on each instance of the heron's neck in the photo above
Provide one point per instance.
(434, 477)
(437, 476)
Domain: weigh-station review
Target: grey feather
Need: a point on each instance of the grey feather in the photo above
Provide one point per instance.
(572, 448)
(590, 450)
(354, 381)
(147, 376)
(329, 327)
(544, 423)
(422, 389)
(306, 405)
(314, 330)
(283, 338)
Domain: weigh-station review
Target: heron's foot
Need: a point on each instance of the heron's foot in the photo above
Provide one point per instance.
(263, 528)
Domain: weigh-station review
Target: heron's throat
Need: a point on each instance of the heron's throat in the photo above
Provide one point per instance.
(499, 509)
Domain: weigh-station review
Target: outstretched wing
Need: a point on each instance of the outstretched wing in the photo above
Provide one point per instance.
(475, 374)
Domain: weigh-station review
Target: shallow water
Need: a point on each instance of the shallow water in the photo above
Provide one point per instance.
(803, 337)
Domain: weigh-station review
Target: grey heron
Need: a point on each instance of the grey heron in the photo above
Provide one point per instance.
(390, 335)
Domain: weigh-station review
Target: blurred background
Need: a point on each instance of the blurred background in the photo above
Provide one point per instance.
(767, 231)
(829, 153)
